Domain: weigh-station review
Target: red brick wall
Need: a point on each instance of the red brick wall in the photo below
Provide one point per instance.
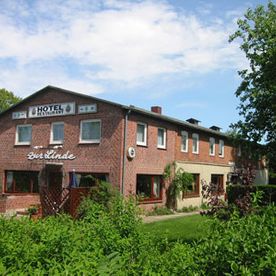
(104, 157)
(203, 156)
(149, 159)
(107, 156)
(21, 201)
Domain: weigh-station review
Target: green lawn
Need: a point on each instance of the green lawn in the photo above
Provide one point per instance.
(185, 228)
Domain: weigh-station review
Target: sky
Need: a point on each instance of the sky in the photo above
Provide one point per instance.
(174, 54)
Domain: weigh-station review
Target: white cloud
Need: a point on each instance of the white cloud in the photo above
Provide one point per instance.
(122, 41)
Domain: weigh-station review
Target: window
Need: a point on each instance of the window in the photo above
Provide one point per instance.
(23, 135)
(195, 143)
(217, 180)
(21, 182)
(148, 187)
(221, 148)
(193, 188)
(57, 133)
(79, 179)
(212, 143)
(90, 131)
(161, 140)
(141, 134)
(184, 141)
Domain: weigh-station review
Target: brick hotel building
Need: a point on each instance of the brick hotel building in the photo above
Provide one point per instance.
(55, 133)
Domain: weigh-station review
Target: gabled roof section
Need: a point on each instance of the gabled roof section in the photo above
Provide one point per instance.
(131, 107)
(176, 121)
(58, 89)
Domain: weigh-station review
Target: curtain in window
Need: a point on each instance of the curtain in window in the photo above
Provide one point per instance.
(24, 133)
(161, 141)
(140, 133)
(91, 130)
(58, 132)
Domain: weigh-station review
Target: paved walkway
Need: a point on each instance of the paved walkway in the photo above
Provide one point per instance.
(150, 219)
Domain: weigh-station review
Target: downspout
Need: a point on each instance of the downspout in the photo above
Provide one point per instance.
(124, 152)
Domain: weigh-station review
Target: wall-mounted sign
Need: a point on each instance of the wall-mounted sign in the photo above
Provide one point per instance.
(87, 108)
(48, 110)
(19, 115)
(50, 155)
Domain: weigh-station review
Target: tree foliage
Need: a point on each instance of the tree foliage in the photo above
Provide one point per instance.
(257, 91)
(7, 99)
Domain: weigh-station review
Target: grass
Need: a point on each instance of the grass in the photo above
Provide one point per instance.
(186, 229)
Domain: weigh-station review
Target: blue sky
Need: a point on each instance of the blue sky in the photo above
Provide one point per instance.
(169, 53)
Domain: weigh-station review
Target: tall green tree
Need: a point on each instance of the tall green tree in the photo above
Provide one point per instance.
(7, 99)
(257, 91)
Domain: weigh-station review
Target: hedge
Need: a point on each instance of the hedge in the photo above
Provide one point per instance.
(235, 192)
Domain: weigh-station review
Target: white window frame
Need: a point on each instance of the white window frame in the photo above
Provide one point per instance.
(164, 138)
(17, 136)
(143, 143)
(195, 135)
(212, 140)
(91, 141)
(221, 145)
(52, 141)
(184, 133)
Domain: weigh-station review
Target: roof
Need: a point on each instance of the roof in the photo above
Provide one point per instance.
(131, 107)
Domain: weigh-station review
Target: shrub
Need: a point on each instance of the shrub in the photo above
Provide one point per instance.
(160, 211)
(236, 192)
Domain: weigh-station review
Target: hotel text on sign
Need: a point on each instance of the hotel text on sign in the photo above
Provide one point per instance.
(49, 110)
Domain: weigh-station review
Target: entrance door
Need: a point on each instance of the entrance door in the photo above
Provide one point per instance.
(54, 181)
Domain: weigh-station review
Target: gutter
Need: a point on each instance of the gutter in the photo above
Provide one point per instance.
(124, 152)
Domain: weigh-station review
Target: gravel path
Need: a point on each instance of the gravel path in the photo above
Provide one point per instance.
(150, 219)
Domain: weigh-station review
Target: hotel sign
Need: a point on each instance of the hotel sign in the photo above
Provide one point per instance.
(19, 115)
(49, 110)
(50, 155)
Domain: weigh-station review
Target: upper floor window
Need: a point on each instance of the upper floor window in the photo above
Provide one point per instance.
(90, 131)
(212, 143)
(195, 143)
(141, 134)
(161, 139)
(184, 141)
(23, 135)
(221, 148)
(57, 133)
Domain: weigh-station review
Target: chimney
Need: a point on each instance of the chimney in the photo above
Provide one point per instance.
(215, 128)
(156, 109)
(193, 121)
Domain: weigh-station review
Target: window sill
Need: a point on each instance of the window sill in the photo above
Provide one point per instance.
(88, 142)
(22, 144)
(142, 145)
(150, 201)
(161, 148)
(196, 153)
(20, 193)
(190, 196)
(56, 143)
(184, 151)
